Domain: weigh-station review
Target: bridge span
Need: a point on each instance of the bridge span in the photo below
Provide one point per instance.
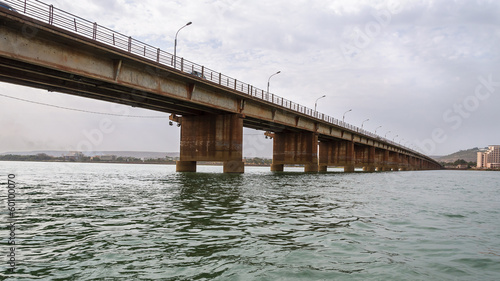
(47, 48)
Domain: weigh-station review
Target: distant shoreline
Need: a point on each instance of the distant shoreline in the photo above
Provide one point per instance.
(136, 163)
(199, 163)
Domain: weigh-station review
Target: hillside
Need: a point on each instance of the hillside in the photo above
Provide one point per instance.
(469, 155)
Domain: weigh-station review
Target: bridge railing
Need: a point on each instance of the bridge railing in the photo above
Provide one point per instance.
(59, 18)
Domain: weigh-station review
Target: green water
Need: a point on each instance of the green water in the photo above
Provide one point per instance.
(146, 222)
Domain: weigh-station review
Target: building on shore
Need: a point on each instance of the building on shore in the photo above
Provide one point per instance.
(73, 156)
(107, 157)
(489, 158)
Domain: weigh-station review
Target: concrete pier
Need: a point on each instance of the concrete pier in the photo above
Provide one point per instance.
(295, 148)
(211, 138)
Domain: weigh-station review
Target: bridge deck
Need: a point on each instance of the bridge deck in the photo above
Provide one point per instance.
(40, 54)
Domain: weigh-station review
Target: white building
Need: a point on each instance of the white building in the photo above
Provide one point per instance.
(73, 156)
(490, 158)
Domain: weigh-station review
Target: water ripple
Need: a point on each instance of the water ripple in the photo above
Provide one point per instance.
(146, 222)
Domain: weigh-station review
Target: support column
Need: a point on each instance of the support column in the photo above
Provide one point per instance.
(277, 167)
(386, 163)
(295, 148)
(370, 162)
(349, 159)
(360, 156)
(411, 163)
(185, 166)
(379, 160)
(405, 163)
(395, 161)
(328, 154)
(337, 153)
(212, 138)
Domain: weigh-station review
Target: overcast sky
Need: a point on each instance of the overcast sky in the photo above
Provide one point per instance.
(426, 71)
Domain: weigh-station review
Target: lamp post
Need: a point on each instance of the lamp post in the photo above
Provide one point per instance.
(395, 137)
(364, 123)
(343, 117)
(377, 129)
(386, 134)
(175, 43)
(316, 102)
(270, 79)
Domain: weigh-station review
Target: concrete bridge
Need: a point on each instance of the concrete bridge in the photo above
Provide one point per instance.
(44, 47)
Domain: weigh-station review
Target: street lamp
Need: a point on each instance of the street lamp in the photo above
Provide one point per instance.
(316, 102)
(175, 43)
(386, 134)
(343, 117)
(270, 79)
(377, 129)
(364, 123)
(395, 137)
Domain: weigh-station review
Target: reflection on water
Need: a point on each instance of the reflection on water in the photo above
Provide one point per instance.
(146, 222)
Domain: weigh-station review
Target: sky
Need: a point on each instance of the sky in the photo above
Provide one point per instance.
(424, 73)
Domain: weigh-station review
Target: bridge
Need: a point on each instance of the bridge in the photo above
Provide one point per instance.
(46, 48)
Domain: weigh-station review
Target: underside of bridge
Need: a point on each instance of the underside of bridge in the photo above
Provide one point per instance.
(212, 115)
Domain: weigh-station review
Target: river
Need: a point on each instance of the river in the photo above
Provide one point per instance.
(78, 221)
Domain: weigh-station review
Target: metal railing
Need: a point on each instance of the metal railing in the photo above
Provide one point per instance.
(61, 19)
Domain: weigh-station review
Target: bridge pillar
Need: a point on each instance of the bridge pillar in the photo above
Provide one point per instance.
(386, 161)
(379, 159)
(402, 162)
(394, 161)
(337, 153)
(405, 163)
(277, 167)
(185, 166)
(369, 163)
(360, 155)
(328, 154)
(350, 156)
(211, 138)
(416, 164)
(411, 163)
(295, 148)
(398, 163)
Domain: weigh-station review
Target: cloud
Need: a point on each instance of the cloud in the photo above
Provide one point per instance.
(402, 71)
